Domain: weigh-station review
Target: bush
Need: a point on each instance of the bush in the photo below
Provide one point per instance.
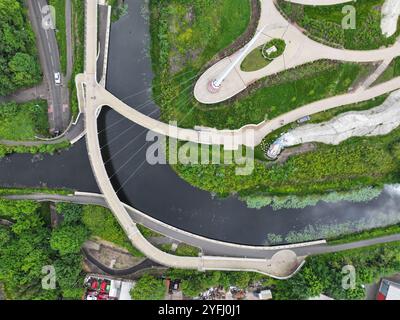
(68, 239)
(148, 288)
(72, 212)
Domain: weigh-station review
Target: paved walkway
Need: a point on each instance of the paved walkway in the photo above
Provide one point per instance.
(299, 50)
(211, 247)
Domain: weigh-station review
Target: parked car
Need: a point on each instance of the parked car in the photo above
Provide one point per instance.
(57, 78)
(304, 119)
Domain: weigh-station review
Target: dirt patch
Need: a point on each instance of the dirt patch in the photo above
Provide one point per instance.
(287, 153)
(114, 257)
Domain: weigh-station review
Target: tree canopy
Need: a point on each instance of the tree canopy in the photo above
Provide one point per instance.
(148, 288)
(18, 55)
(25, 249)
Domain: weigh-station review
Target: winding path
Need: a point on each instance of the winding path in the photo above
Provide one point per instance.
(209, 246)
(251, 135)
(299, 50)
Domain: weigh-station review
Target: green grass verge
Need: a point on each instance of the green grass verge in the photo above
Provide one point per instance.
(148, 233)
(325, 23)
(392, 71)
(78, 31)
(101, 223)
(259, 58)
(118, 9)
(183, 250)
(365, 235)
(22, 191)
(44, 148)
(24, 121)
(254, 61)
(61, 32)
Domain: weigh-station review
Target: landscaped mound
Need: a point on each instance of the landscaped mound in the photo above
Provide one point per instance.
(262, 56)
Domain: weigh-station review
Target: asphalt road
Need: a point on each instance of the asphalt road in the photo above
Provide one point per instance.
(49, 57)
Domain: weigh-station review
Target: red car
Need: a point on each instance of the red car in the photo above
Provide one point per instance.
(103, 286)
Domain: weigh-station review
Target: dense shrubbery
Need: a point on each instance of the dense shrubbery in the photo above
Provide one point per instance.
(148, 288)
(101, 223)
(325, 24)
(299, 202)
(23, 121)
(44, 148)
(18, 61)
(25, 249)
(194, 282)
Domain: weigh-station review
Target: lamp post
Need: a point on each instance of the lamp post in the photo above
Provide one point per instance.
(215, 84)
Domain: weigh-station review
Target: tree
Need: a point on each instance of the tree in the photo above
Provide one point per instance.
(72, 212)
(25, 70)
(68, 239)
(4, 236)
(148, 288)
(18, 58)
(69, 275)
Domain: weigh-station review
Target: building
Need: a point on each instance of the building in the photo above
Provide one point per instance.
(388, 290)
(99, 287)
(264, 295)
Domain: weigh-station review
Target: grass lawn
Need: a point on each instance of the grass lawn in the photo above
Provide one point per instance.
(259, 57)
(117, 10)
(254, 61)
(148, 233)
(101, 223)
(61, 32)
(325, 22)
(392, 71)
(183, 250)
(23, 121)
(368, 234)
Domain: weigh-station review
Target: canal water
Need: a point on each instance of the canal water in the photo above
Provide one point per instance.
(157, 190)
